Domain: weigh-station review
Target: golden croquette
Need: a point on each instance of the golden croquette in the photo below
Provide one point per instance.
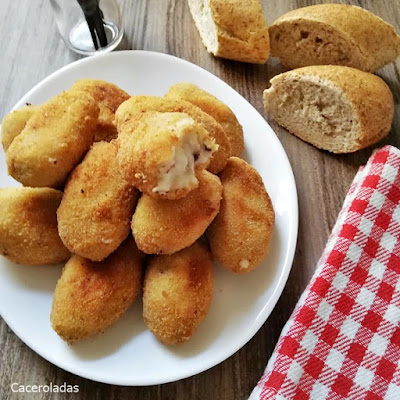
(241, 233)
(130, 112)
(167, 226)
(53, 141)
(13, 124)
(108, 97)
(177, 293)
(28, 226)
(96, 210)
(90, 296)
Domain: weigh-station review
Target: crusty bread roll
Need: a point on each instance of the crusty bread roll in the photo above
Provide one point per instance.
(234, 29)
(333, 34)
(335, 108)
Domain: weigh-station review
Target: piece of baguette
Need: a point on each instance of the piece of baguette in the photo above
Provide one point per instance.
(233, 29)
(333, 34)
(335, 108)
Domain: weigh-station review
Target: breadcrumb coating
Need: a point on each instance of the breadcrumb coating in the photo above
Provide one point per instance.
(97, 206)
(28, 226)
(13, 124)
(130, 112)
(91, 296)
(54, 140)
(177, 293)
(165, 226)
(108, 97)
(164, 154)
(241, 233)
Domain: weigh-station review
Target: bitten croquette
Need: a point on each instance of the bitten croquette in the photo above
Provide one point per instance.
(129, 113)
(164, 154)
(214, 107)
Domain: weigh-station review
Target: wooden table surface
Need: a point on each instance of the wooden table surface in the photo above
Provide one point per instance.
(32, 49)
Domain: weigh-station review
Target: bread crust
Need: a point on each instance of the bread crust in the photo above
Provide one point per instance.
(369, 96)
(372, 41)
(242, 32)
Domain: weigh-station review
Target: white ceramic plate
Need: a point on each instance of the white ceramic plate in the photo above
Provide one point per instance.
(128, 354)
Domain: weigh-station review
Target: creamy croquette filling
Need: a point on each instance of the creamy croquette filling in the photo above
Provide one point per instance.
(192, 150)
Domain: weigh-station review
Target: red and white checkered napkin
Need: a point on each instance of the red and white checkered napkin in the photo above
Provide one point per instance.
(343, 338)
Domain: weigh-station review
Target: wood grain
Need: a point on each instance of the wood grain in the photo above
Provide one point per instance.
(32, 49)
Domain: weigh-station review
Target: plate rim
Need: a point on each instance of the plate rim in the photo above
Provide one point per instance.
(268, 307)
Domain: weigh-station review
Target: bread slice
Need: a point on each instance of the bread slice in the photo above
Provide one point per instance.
(333, 34)
(335, 108)
(234, 29)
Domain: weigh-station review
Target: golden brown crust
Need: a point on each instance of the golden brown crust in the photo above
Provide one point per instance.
(369, 96)
(241, 233)
(13, 124)
(373, 41)
(242, 30)
(167, 226)
(91, 296)
(214, 107)
(53, 141)
(129, 113)
(108, 97)
(177, 293)
(95, 212)
(28, 226)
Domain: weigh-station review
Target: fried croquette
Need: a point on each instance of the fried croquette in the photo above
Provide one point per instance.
(95, 212)
(177, 293)
(13, 124)
(165, 226)
(108, 97)
(163, 155)
(54, 140)
(240, 234)
(129, 113)
(91, 296)
(28, 226)
(214, 107)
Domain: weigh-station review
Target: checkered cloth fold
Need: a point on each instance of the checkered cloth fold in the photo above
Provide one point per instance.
(343, 339)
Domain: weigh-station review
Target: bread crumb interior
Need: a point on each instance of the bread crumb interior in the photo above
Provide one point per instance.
(313, 109)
